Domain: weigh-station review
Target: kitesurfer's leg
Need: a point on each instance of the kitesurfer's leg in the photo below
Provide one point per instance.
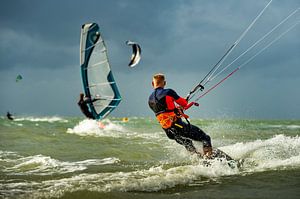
(195, 133)
(173, 133)
(187, 143)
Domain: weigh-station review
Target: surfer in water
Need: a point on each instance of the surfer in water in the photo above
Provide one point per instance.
(83, 104)
(9, 116)
(162, 102)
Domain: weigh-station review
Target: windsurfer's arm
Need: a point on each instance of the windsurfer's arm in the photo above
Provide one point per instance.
(89, 100)
(93, 100)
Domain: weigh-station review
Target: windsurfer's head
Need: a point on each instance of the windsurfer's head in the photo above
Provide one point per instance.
(81, 95)
(158, 80)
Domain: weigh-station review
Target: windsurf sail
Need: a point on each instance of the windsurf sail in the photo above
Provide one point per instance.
(97, 78)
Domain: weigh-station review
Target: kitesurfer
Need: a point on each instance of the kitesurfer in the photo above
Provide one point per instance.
(83, 104)
(9, 116)
(162, 102)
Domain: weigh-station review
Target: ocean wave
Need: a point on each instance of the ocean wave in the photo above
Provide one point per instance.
(147, 180)
(278, 152)
(284, 126)
(89, 127)
(42, 119)
(45, 165)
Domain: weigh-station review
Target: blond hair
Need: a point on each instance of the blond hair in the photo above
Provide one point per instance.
(158, 80)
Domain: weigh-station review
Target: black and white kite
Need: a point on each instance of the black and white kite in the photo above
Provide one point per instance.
(136, 53)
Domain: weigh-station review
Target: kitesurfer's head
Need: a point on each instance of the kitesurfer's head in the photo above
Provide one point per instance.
(158, 80)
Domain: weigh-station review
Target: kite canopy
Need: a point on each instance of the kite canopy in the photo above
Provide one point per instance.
(136, 53)
(18, 78)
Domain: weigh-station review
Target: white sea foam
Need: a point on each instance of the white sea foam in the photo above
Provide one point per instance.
(8, 155)
(45, 165)
(42, 119)
(284, 126)
(89, 127)
(275, 153)
(148, 180)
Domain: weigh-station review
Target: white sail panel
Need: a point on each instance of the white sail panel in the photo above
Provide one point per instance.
(96, 73)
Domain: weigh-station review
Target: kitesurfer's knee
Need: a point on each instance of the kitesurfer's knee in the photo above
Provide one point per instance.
(207, 148)
(199, 135)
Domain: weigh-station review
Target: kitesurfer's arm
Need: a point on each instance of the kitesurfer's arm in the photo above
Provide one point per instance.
(173, 96)
(184, 104)
(191, 104)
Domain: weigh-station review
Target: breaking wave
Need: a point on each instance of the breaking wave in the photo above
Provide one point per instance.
(45, 165)
(108, 128)
(277, 152)
(42, 119)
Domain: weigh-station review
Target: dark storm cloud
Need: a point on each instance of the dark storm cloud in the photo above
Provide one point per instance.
(173, 33)
(47, 32)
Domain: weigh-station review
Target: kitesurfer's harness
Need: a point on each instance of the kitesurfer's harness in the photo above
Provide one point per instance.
(168, 119)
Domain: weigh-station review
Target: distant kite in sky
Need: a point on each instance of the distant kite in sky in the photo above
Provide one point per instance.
(136, 53)
(19, 78)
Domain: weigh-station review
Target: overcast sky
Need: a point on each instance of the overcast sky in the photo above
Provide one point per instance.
(182, 39)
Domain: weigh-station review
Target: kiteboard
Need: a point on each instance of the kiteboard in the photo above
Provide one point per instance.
(219, 155)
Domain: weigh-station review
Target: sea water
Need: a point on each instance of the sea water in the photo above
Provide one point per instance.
(69, 157)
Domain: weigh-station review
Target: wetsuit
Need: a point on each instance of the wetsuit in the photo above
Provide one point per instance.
(161, 101)
(82, 103)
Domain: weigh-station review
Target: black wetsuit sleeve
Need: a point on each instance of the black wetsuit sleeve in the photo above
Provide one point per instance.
(89, 100)
(80, 102)
(173, 94)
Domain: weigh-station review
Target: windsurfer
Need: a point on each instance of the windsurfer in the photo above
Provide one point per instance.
(83, 104)
(161, 101)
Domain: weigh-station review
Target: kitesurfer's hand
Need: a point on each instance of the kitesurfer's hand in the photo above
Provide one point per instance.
(196, 104)
(191, 104)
